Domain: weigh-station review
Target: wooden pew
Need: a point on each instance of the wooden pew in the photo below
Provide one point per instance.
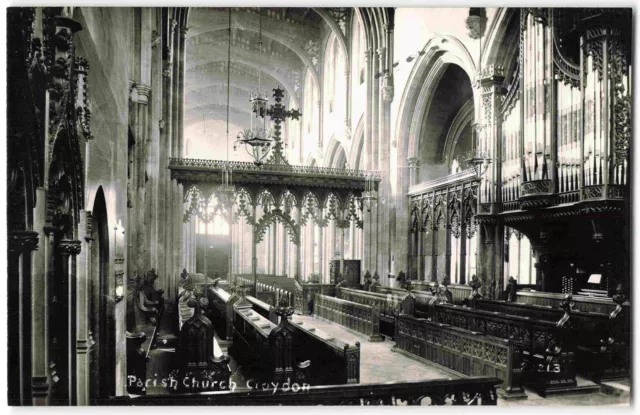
(221, 311)
(358, 317)
(332, 361)
(265, 310)
(470, 391)
(589, 330)
(422, 299)
(288, 350)
(463, 351)
(304, 295)
(201, 359)
(388, 304)
(547, 349)
(553, 300)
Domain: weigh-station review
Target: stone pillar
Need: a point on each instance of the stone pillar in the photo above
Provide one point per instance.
(323, 278)
(69, 249)
(320, 122)
(412, 164)
(23, 314)
(39, 302)
(299, 244)
(153, 172)
(347, 103)
(463, 253)
(386, 207)
(273, 245)
(83, 288)
(165, 193)
(254, 251)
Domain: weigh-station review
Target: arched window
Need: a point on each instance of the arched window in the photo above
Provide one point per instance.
(357, 49)
(310, 99)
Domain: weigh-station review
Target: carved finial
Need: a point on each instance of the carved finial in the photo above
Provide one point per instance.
(567, 305)
(283, 309)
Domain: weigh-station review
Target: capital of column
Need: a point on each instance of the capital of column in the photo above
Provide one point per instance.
(143, 93)
(183, 32)
(367, 54)
(412, 162)
(69, 247)
(381, 51)
(172, 25)
(21, 241)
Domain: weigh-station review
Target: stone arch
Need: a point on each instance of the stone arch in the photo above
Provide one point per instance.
(463, 119)
(357, 146)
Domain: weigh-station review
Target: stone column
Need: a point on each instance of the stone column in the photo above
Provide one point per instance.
(69, 249)
(347, 104)
(254, 251)
(386, 207)
(323, 278)
(39, 303)
(273, 245)
(320, 122)
(463, 253)
(299, 244)
(83, 288)
(153, 171)
(23, 314)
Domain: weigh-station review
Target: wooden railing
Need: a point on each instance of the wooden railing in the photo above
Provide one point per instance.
(269, 293)
(361, 318)
(471, 391)
(463, 351)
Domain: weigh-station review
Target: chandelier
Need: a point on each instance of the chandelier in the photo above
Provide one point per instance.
(257, 139)
(226, 188)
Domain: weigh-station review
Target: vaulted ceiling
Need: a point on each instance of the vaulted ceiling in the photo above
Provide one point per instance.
(291, 42)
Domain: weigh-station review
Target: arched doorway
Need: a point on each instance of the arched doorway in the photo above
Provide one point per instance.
(101, 307)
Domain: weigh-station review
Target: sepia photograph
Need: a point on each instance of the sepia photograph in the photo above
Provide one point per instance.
(264, 206)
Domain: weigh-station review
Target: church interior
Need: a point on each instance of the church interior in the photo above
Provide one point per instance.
(318, 206)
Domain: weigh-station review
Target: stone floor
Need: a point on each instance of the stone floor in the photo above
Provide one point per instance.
(379, 364)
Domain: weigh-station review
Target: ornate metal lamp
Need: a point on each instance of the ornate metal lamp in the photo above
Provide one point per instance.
(257, 139)
(478, 159)
(369, 196)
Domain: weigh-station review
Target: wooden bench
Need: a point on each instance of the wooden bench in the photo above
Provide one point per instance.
(547, 350)
(463, 351)
(265, 310)
(422, 299)
(201, 358)
(221, 311)
(589, 330)
(288, 350)
(389, 305)
(332, 361)
(358, 317)
(304, 295)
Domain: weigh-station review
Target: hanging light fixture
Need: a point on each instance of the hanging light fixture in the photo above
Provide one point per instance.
(369, 196)
(226, 188)
(257, 139)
